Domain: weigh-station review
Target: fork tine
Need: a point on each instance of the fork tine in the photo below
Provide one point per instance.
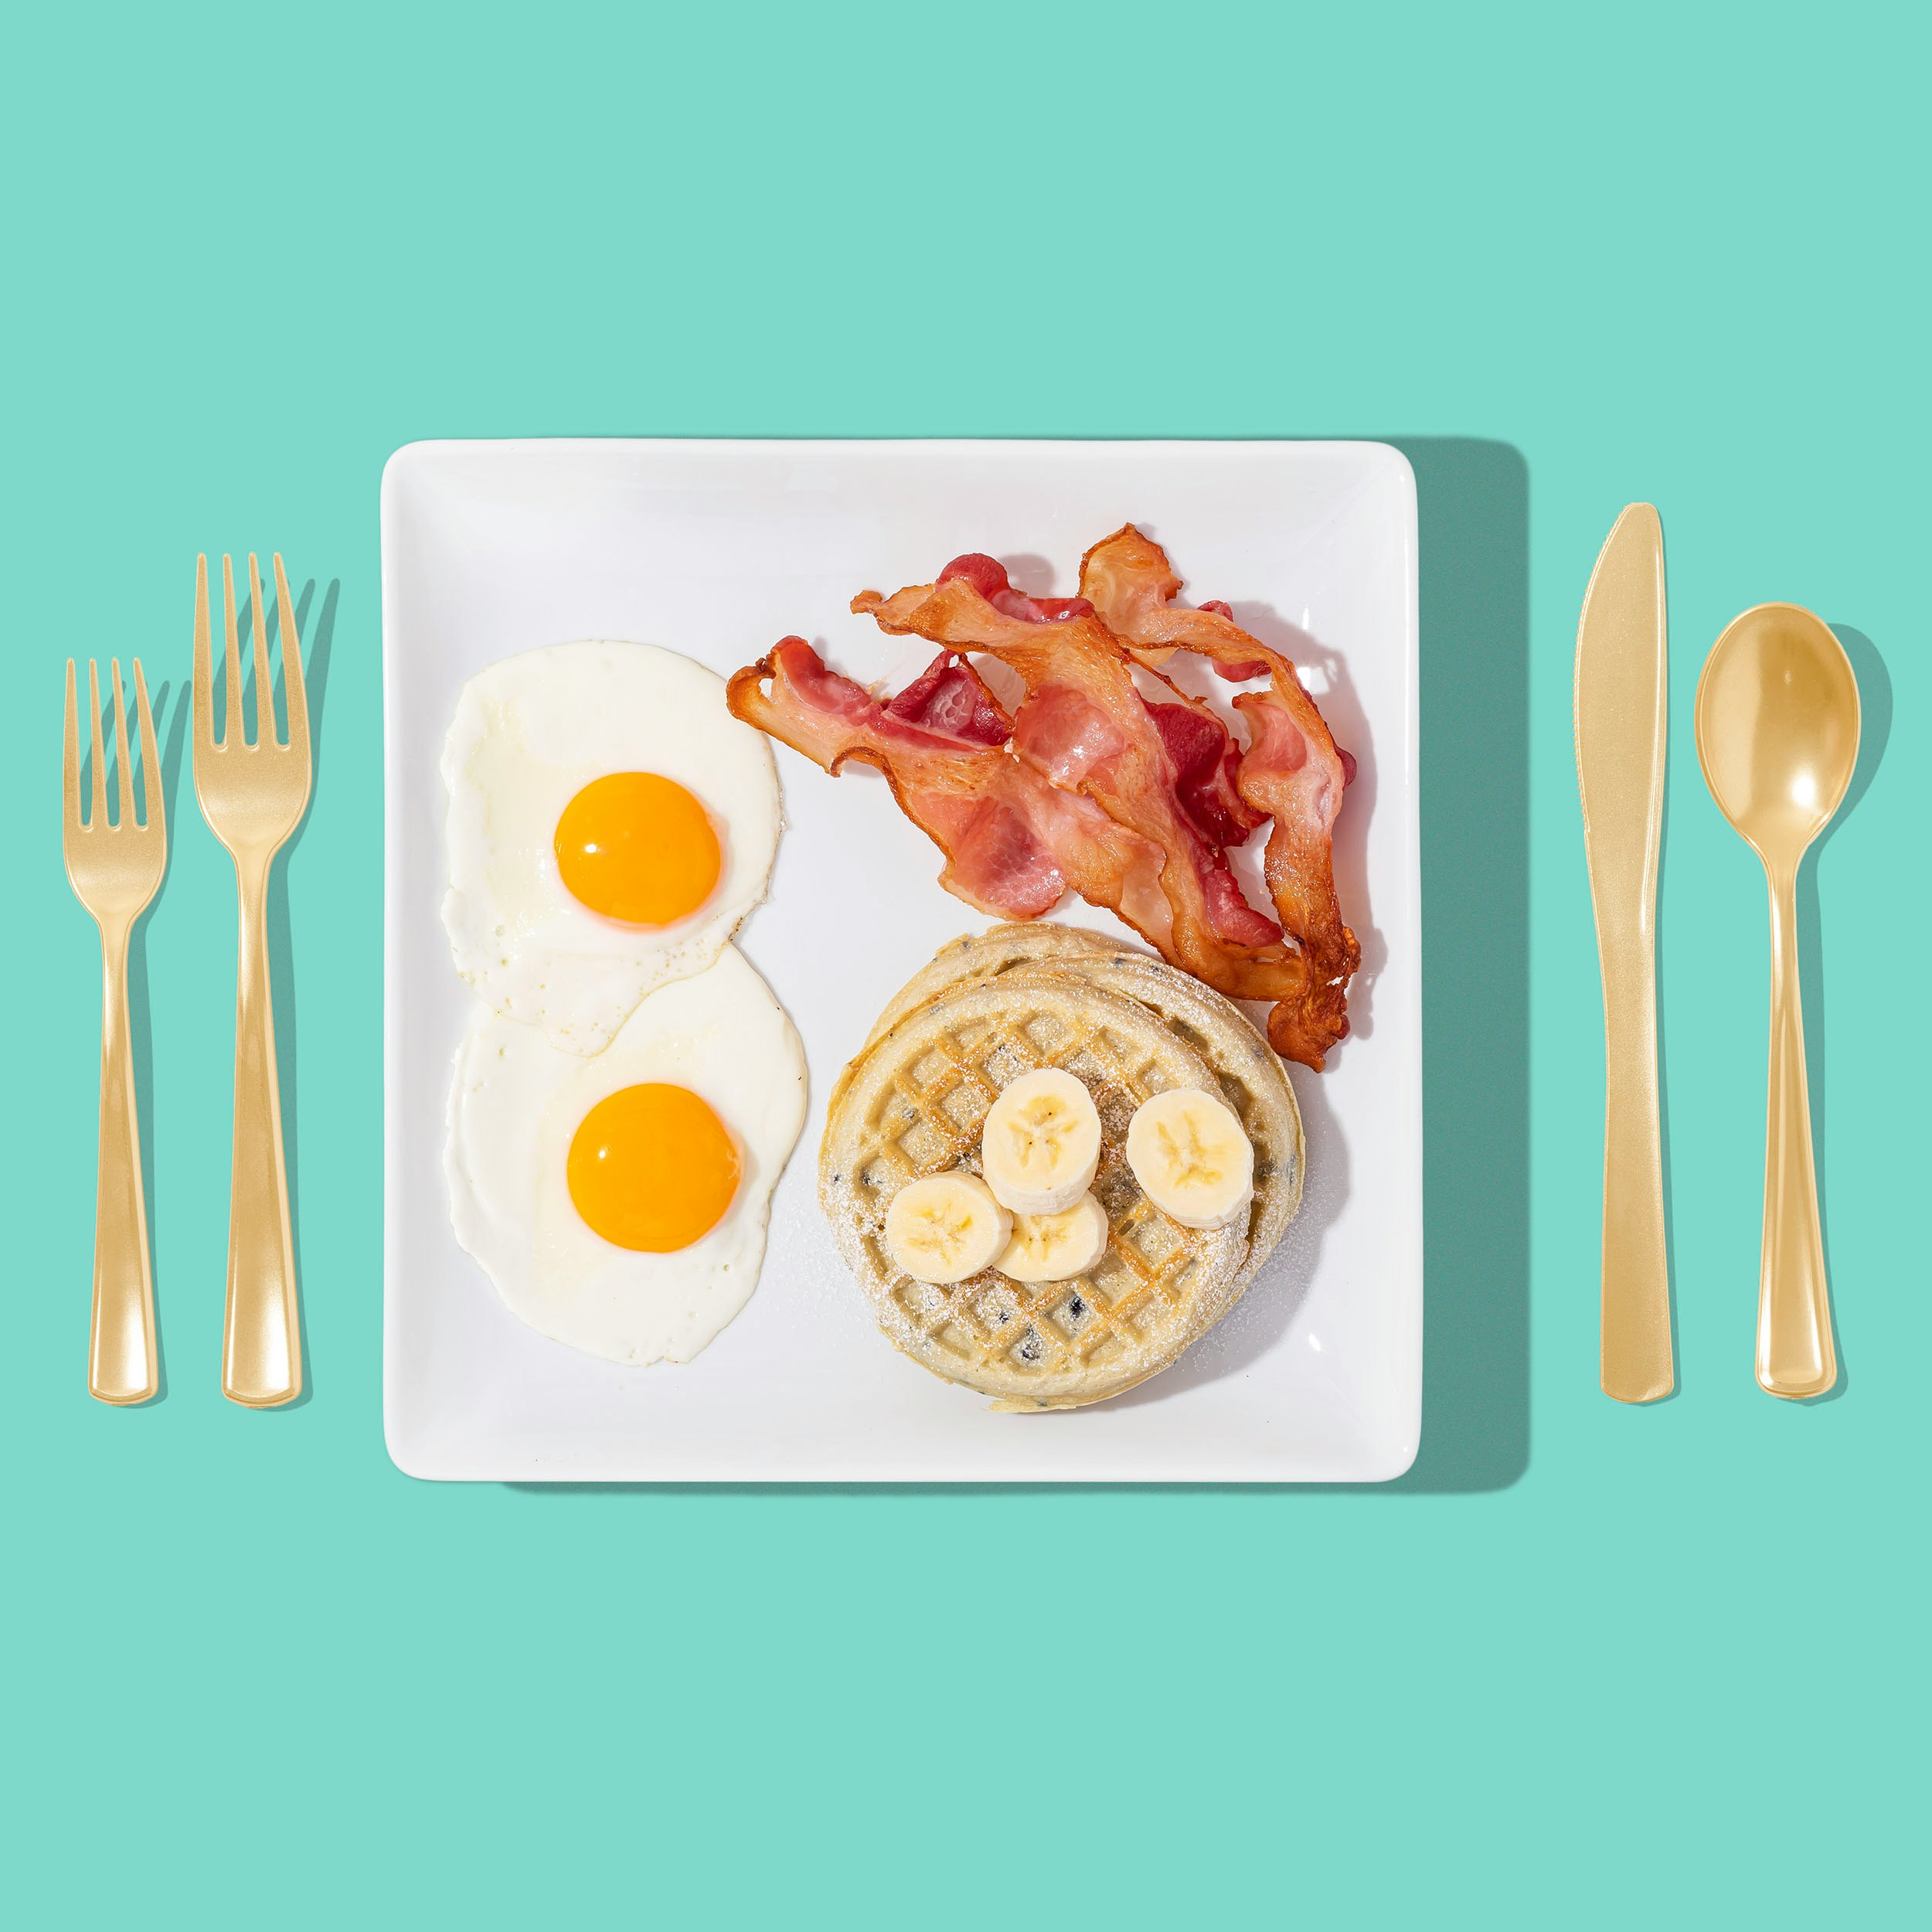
(70, 760)
(204, 675)
(231, 731)
(121, 748)
(264, 685)
(150, 798)
(295, 692)
(99, 816)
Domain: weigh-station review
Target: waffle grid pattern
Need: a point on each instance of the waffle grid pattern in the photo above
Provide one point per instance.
(1138, 1296)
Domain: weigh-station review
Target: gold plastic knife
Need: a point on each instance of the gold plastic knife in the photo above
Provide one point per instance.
(1622, 686)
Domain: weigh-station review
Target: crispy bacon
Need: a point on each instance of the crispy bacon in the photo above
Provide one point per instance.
(1206, 762)
(988, 576)
(1097, 782)
(1235, 673)
(1084, 727)
(1291, 771)
(1240, 673)
(950, 696)
(1205, 756)
(1013, 842)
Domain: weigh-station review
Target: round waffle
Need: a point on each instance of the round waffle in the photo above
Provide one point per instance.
(1250, 1073)
(914, 1104)
(973, 956)
(983, 956)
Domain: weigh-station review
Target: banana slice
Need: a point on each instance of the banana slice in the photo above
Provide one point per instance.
(1191, 1158)
(1056, 1247)
(1041, 1143)
(946, 1227)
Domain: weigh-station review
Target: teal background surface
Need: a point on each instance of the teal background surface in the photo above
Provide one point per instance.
(1587, 1665)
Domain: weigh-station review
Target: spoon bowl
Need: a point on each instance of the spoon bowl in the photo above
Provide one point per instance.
(1777, 735)
(1778, 728)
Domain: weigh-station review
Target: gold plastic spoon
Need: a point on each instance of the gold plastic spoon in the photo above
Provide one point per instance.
(1777, 735)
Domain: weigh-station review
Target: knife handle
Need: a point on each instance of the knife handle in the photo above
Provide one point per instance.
(1636, 1364)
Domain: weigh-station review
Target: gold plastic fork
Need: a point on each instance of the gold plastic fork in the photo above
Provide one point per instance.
(253, 797)
(114, 870)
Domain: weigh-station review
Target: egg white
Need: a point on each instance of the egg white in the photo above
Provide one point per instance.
(515, 1103)
(529, 734)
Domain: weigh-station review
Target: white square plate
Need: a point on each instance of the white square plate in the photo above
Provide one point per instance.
(718, 549)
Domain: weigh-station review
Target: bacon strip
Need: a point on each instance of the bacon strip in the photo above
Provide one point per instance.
(1013, 842)
(1205, 756)
(949, 696)
(1291, 771)
(988, 576)
(1207, 763)
(1084, 727)
(1235, 673)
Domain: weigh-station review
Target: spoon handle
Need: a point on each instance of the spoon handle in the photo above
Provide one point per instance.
(1795, 1355)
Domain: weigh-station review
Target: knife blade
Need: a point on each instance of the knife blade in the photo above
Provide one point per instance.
(1621, 698)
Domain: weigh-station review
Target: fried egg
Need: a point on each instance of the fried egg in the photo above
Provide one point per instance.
(619, 1203)
(610, 823)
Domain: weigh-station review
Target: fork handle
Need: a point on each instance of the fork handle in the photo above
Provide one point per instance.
(121, 1358)
(261, 1337)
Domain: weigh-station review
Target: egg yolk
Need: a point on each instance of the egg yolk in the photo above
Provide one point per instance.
(637, 847)
(652, 1167)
